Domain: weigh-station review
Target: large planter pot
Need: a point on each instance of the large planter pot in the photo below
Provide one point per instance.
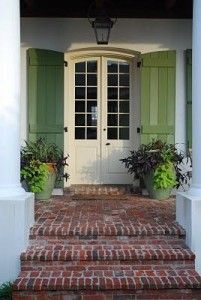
(49, 184)
(159, 194)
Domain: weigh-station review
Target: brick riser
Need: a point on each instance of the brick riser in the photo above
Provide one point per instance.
(101, 240)
(97, 265)
(91, 191)
(165, 294)
(137, 241)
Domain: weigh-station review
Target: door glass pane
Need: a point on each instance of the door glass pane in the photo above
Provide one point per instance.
(92, 119)
(92, 93)
(112, 133)
(79, 106)
(91, 106)
(91, 79)
(79, 93)
(124, 93)
(80, 67)
(79, 79)
(112, 106)
(124, 120)
(124, 133)
(124, 106)
(91, 133)
(112, 120)
(112, 93)
(86, 114)
(118, 95)
(112, 80)
(124, 79)
(112, 66)
(92, 66)
(80, 133)
(80, 120)
(124, 67)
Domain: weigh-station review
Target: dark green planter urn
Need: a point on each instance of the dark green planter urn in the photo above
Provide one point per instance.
(159, 194)
(49, 184)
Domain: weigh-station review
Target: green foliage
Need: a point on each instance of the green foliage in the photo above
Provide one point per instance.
(157, 156)
(164, 176)
(34, 155)
(35, 174)
(6, 291)
(42, 151)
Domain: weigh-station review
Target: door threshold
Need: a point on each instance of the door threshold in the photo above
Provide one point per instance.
(102, 189)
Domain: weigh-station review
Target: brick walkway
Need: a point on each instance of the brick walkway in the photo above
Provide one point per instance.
(116, 247)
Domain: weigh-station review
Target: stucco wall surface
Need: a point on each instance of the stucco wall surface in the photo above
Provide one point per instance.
(143, 35)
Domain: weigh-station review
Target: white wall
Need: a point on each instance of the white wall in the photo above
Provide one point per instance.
(143, 35)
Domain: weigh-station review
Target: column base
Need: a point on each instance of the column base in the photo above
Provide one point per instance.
(11, 191)
(195, 191)
(16, 217)
(188, 215)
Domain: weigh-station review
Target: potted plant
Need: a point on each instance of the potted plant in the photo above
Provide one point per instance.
(42, 164)
(159, 165)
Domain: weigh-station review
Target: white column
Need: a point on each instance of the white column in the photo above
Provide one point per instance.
(16, 206)
(10, 99)
(188, 205)
(195, 189)
(180, 115)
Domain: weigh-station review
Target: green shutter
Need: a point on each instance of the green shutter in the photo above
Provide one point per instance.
(46, 95)
(158, 96)
(189, 98)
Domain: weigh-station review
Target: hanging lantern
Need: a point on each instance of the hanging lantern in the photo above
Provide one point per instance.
(101, 24)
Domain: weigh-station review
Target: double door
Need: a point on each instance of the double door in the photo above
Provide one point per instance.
(102, 119)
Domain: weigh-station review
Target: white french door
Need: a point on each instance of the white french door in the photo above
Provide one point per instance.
(102, 114)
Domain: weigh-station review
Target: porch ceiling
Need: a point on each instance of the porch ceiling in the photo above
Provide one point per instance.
(117, 8)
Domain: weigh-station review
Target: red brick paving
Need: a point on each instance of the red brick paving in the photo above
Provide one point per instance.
(138, 210)
(106, 253)
(100, 280)
(125, 247)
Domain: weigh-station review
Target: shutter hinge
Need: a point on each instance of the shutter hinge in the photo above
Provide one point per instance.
(66, 175)
(66, 129)
(139, 64)
(65, 63)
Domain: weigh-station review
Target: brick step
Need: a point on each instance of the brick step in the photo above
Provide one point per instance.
(107, 280)
(95, 229)
(162, 294)
(62, 257)
(106, 253)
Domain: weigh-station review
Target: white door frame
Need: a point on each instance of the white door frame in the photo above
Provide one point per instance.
(70, 57)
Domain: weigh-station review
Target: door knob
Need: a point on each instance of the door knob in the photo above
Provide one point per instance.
(107, 144)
